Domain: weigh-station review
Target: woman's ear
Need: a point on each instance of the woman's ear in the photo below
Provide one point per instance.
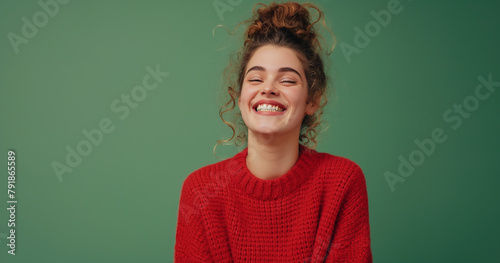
(313, 105)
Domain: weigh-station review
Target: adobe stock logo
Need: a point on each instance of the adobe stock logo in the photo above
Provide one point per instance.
(223, 6)
(372, 29)
(30, 27)
(121, 106)
(218, 182)
(427, 146)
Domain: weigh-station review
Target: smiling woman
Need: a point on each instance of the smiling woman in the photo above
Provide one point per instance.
(278, 200)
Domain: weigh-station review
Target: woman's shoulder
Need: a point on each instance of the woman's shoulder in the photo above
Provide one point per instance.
(337, 161)
(332, 164)
(334, 173)
(215, 172)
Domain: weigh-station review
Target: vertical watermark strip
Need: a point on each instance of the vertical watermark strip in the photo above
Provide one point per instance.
(11, 201)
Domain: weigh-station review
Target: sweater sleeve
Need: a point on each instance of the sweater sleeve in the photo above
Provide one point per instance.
(351, 237)
(191, 243)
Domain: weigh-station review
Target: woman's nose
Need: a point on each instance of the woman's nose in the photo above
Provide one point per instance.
(269, 89)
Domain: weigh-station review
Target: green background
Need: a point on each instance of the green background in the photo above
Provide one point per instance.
(120, 204)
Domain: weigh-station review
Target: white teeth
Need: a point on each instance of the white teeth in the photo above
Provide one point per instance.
(267, 107)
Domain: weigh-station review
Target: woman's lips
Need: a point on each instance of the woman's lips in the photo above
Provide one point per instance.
(270, 112)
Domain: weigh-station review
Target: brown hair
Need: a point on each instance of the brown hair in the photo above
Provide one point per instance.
(283, 25)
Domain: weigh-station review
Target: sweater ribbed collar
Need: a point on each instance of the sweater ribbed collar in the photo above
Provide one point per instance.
(258, 188)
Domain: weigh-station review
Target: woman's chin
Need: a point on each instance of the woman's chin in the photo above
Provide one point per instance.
(264, 132)
(269, 135)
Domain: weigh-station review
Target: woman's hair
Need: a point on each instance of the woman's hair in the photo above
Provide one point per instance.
(283, 25)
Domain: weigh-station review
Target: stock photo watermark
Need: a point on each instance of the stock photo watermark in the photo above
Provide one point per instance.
(31, 26)
(219, 181)
(11, 201)
(372, 28)
(122, 107)
(452, 116)
(223, 6)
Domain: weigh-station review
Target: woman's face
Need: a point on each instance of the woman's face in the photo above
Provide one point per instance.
(274, 92)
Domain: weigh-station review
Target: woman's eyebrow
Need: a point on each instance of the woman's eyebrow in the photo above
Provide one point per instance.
(284, 69)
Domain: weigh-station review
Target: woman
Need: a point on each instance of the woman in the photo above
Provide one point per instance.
(277, 200)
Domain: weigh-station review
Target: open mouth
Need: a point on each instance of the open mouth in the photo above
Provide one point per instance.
(268, 107)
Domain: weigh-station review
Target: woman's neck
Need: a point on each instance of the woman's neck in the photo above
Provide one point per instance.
(271, 156)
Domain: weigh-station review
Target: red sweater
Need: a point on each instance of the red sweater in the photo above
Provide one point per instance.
(316, 212)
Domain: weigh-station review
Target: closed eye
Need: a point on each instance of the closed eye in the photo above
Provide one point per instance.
(285, 81)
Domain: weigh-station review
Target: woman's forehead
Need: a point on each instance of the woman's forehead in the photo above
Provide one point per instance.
(276, 59)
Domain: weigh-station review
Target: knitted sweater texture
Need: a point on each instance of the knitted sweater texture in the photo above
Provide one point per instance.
(316, 212)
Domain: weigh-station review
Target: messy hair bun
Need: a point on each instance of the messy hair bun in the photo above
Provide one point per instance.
(283, 25)
(291, 18)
